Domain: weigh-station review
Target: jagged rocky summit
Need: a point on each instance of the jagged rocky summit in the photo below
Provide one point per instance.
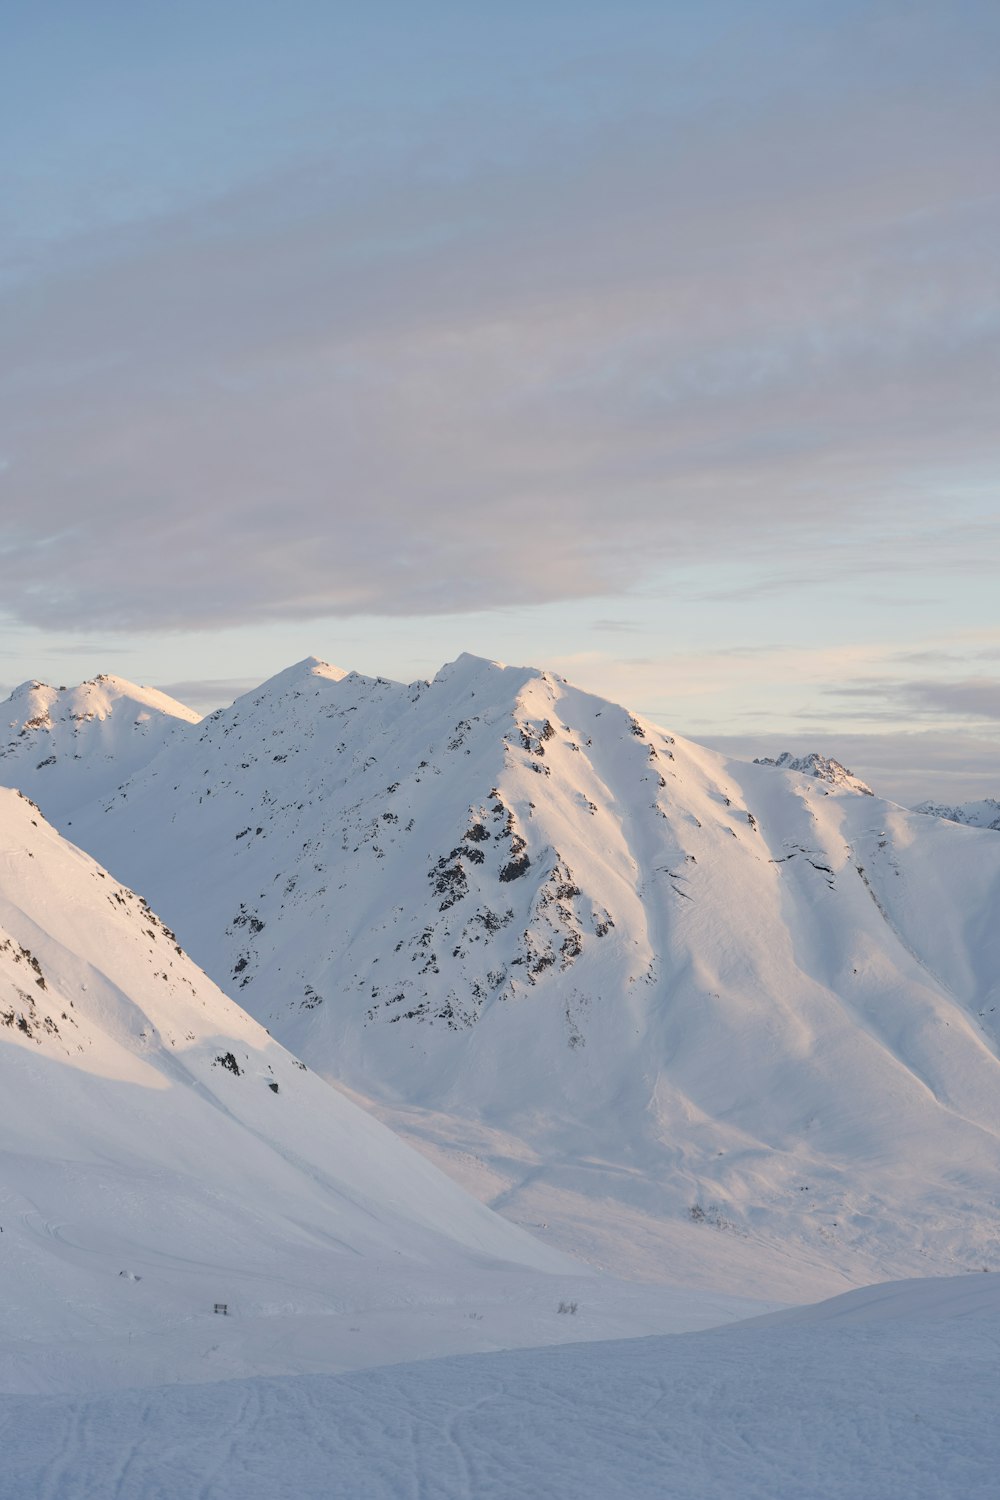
(823, 767)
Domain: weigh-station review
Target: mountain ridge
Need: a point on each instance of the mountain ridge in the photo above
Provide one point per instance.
(107, 727)
(583, 961)
(823, 767)
(982, 814)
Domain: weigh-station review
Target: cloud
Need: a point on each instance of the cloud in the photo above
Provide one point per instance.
(614, 627)
(206, 694)
(972, 699)
(764, 332)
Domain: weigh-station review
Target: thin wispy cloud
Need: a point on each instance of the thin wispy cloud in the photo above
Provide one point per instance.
(972, 699)
(763, 330)
(208, 693)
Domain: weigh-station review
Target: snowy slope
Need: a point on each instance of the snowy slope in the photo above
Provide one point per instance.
(888, 1394)
(984, 814)
(63, 745)
(160, 1153)
(687, 1016)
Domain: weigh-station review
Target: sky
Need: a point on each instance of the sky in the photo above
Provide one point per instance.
(657, 344)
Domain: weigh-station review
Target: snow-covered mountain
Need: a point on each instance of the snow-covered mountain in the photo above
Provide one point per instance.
(161, 1153)
(676, 1012)
(824, 767)
(984, 814)
(65, 745)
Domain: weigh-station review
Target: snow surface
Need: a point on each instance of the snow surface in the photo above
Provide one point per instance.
(697, 1020)
(889, 1394)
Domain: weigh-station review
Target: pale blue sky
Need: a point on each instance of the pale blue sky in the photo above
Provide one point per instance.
(656, 343)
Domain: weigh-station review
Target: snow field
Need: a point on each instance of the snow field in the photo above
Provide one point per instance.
(840, 1402)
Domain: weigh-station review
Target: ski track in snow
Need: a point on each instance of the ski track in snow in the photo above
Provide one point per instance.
(873, 1403)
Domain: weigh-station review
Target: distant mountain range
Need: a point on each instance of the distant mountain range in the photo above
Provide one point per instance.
(984, 814)
(823, 767)
(97, 735)
(665, 1008)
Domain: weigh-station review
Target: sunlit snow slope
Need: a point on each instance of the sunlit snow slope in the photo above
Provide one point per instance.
(69, 744)
(693, 1017)
(160, 1153)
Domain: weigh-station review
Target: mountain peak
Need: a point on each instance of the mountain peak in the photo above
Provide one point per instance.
(823, 767)
(97, 733)
(502, 900)
(300, 674)
(96, 697)
(476, 673)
